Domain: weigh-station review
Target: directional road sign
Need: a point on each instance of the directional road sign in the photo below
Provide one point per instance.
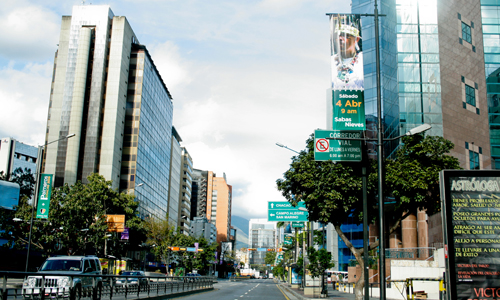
(326, 148)
(284, 211)
(297, 224)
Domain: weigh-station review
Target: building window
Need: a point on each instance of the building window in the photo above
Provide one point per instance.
(470, 95)
(466, 34)
(473, 160)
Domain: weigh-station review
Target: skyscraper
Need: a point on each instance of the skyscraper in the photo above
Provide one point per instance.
(263, 234)
(439, 66)
(107, 91)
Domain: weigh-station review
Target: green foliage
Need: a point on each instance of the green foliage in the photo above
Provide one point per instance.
(77, 222)
(413, 177)
(333, 191)
(161, 235)
(270, 257)
(319, 261)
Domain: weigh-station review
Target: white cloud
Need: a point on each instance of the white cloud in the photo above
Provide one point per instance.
(29, 31)
(24, 99)
(171, 65)
(243, 76)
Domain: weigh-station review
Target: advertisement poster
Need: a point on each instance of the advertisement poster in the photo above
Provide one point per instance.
(42, 209)
(347, 72)
(471, 211)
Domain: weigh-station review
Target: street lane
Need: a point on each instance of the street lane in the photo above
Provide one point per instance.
(261, 289)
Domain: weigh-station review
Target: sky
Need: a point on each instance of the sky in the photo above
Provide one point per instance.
(243, 75)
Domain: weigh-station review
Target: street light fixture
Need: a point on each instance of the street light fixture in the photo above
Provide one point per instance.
(37, 183)
(283, 146)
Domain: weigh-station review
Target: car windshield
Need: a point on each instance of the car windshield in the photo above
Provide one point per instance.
(62, 265)
(131, 273)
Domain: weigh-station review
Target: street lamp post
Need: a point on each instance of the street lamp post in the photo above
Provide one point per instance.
(380, 159)
(35, 194)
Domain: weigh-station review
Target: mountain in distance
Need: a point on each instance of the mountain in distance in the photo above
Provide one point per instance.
(241, 226)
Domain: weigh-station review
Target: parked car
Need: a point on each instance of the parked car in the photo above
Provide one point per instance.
(61, 280)
(139, 278)
(192, 277)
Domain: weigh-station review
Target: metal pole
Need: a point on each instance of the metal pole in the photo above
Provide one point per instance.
(35, 200)
(365, 229)
(380, 159)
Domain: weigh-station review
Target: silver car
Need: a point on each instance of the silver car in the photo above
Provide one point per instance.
(140, 278)
(59, 278)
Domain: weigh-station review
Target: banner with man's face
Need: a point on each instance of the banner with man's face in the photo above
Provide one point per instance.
(347, 73)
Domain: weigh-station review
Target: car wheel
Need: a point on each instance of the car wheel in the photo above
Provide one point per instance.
(97, 292)
(77, 293)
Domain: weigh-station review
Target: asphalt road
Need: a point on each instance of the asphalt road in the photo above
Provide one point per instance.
(258, 289)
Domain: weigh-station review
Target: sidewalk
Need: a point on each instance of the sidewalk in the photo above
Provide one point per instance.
(294, 293)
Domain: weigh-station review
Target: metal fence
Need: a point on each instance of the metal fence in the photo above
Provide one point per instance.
(45, 287)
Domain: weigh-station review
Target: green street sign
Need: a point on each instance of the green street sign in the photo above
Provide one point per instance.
(336, 150)
(348, 110)
(284, 211)
(297, 224)
(284, 205)
(288, 240)
(42, 209)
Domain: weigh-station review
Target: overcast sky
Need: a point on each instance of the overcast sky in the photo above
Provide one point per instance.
(243, 75)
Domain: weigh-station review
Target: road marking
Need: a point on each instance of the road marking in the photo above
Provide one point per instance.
(283, 292)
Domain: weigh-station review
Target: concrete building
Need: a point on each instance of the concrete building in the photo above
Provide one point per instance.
(107, 91)
(212, 198)
(219, 205)
(199, 193)
(262, 234)
(185, 188)
(14, 155)
(201, 227)
(175, 178)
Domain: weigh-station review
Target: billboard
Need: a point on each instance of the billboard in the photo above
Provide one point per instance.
(347, 72)
(9, 195)
(471, 215)
(42, 211)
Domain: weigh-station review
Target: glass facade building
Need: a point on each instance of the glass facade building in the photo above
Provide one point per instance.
(107, 91)
(263, 234)
(490, 15)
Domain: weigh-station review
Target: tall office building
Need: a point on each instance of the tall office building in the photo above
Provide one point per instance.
(185, 187)
(14, 155)
(439, 65)
(211, 197)
(199, 193)
(107, 91)
(219, 206)
(201, 227)
(263, 234)
(175, 178)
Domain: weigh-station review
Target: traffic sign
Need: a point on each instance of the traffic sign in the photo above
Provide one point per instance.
(284, 205)
(348, 110)
(337, 150)
(297, 224)
(284, 211)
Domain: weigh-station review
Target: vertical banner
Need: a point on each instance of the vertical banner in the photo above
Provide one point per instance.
(42, 209)
(347, 73)
(471, 215)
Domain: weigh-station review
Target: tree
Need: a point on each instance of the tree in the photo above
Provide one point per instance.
(162, 235)
(26, 181)
(77, 220)
(332, 192)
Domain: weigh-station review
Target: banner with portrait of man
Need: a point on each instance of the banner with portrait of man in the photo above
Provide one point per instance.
(347, 72)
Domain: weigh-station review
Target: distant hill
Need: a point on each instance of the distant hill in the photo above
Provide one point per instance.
(241, 225)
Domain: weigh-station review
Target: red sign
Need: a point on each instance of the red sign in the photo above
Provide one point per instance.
(322, 145)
